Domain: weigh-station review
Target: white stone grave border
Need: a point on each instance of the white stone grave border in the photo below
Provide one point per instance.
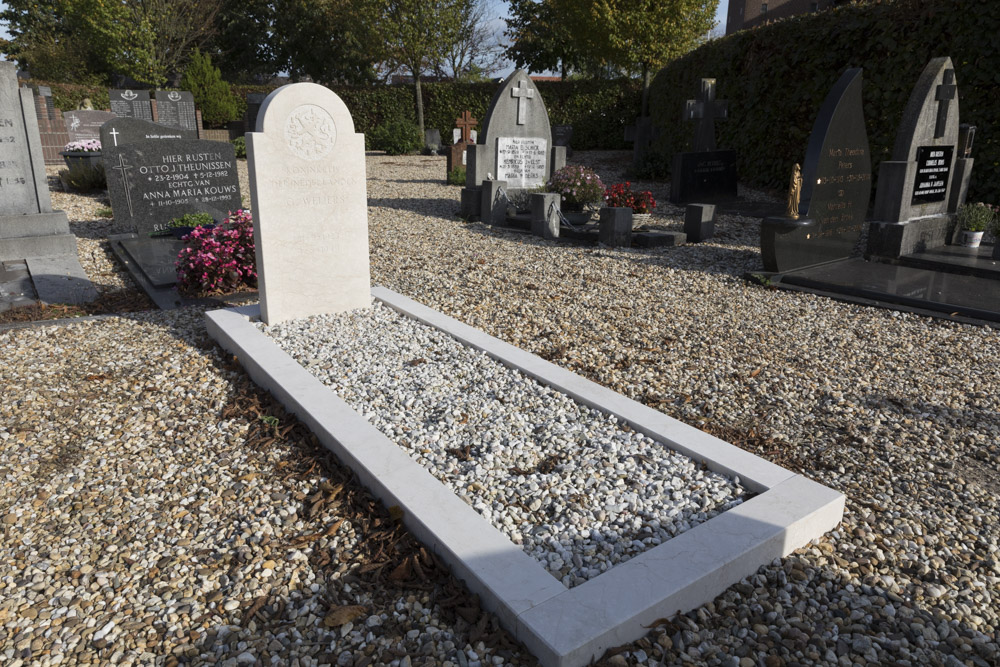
(561, 627)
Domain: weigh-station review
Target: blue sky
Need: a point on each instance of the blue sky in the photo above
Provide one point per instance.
(498, 8)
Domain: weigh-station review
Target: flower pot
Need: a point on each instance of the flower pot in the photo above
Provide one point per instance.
(641, 219)
(578, 217)
(970, 239)
(91, 159)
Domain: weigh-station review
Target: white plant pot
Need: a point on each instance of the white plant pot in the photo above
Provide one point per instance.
(969, 239)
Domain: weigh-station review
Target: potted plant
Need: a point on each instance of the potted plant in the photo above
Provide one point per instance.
(974, 219)
(182, 226)
(85, 153)
(578, 188)
(621, 195)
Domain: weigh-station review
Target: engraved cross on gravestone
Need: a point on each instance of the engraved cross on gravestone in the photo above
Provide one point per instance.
(522, 94)
(705, 110)
(124, 169)
(944, 95)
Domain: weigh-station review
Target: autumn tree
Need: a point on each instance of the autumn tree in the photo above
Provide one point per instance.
(477, 52)
(418, 33)
(638, 35)
(539, 39)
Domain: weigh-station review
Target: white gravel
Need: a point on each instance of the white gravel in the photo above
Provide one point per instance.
(578, 490)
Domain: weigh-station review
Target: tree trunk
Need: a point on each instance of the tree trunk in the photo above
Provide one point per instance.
(420, 106)
(562, 66)
(645, 89)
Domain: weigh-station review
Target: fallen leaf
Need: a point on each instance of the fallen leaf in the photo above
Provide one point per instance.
(345, 614)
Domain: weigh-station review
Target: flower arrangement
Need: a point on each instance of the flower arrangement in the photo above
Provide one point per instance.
(220, 259)
(621, 195)
(577, 186)
(84, 146)
(977, 217)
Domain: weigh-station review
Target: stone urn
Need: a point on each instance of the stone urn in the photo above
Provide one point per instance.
(91, 159)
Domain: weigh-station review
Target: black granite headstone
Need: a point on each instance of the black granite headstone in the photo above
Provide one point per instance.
(85, 124)
(562, 135)
(152, 182)
(175, 108)
(706, 174)
(254, 100)
(121, 131)
(131, 104)
(836, 185)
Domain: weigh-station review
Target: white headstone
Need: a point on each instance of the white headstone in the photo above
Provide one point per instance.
(307, 182)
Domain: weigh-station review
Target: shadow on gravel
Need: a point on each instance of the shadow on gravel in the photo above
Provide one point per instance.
(429, 207)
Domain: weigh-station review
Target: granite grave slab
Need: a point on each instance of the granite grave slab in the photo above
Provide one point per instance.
(120, 131)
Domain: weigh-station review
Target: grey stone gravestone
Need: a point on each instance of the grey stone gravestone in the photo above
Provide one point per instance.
(84, 125)
(836, 186)
(913, 203)
(432, 138)
(254, 100)
(175, 108)
(29, 228)
(562, 135)
(130, 103)
(152, 181)
(307, 180)
(515, 144)
(706, 174)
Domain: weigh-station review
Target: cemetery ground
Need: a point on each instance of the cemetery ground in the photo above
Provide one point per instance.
(159, 508)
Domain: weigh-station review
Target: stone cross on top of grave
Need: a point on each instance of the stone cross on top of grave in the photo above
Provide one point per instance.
(465, 123)
(705, 110)
(522, 94)
(944, 95)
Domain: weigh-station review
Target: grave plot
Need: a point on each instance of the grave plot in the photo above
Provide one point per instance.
(560, 625)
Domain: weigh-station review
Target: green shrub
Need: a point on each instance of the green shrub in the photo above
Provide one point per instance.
(84, 178)
(653, 166)
(776, 77)
(240, 146)
(456, 176)
(192, 220)
(396, 137)
(211, 94)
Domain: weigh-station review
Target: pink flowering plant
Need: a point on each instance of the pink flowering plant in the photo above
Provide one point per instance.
(84, 146)
(219, 260)
(577, 185)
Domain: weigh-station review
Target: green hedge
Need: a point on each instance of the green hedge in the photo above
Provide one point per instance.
(776, 77)
(599, 111)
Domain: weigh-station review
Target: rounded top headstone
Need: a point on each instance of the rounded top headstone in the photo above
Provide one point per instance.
(517, 110)
(307, 117)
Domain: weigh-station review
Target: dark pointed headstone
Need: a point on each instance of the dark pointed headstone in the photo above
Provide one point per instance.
(924, 183)
(130, 103)
(175, 108)
(836, 186)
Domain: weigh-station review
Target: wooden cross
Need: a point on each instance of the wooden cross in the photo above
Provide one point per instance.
(522, 95)
(465, 123)
(945, 94)
(124, 169)
(705, 110)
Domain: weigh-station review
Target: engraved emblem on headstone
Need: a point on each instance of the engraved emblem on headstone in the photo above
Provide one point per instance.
(124, 169)
(310, 132)
(945, 94)
(173, 96)
(129, 95)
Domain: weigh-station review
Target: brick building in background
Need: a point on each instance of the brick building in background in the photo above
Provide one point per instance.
(750, 13)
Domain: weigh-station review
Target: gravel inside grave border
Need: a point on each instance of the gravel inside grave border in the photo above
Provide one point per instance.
(578, 490)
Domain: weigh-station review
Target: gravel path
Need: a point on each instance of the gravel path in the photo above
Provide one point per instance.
(153, 512)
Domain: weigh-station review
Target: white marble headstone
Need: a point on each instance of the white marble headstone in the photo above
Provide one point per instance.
(307, 183)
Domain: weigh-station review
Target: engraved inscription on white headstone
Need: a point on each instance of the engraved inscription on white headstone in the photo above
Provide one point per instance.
(521, 161)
